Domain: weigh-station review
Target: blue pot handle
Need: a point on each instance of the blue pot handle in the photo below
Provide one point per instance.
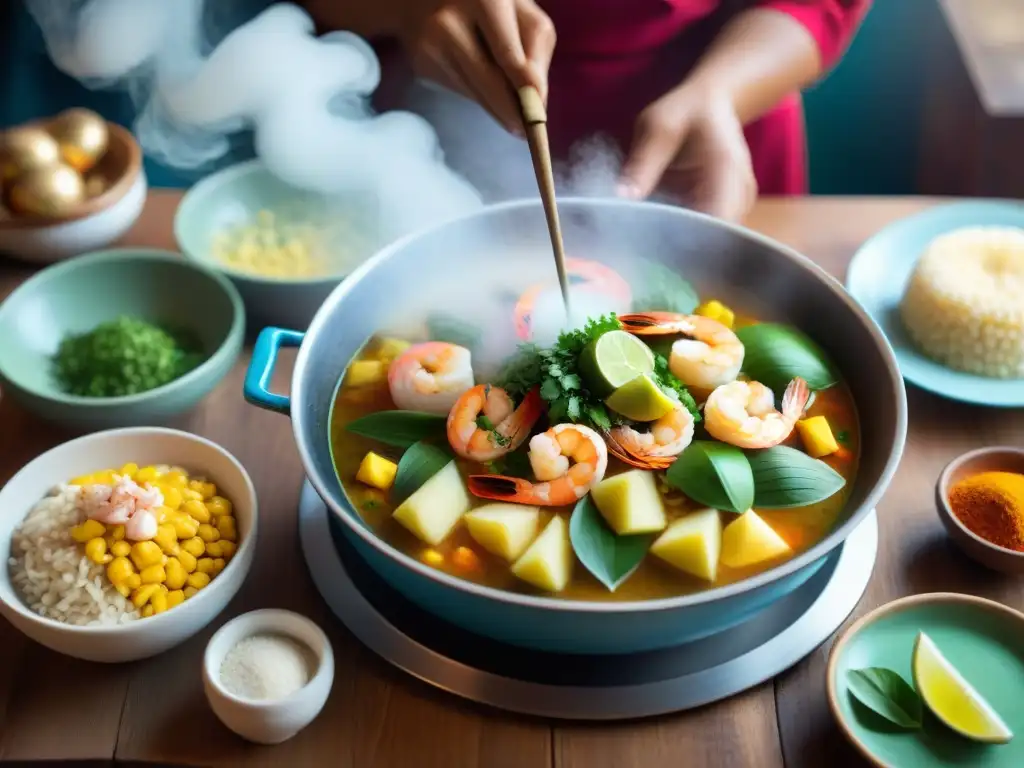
(261, 369)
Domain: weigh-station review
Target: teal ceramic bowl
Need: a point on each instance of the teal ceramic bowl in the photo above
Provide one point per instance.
(234, 197)
(77, 295)
(984, 640)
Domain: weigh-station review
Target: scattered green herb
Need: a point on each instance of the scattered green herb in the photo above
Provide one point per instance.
(886, 694)
(556, 371)
(611, 558)
(674, 386)
(843, 437)
(370, 504)
(419, 463)
(399, 428)
(662, 289)
(776, 354)
(122, 357)
(714, 474)
(496, 437)
(785, 477)
(444, 327)
(515, 464)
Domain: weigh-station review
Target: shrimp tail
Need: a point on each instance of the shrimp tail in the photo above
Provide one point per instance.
(651, 323)
(620, 452)
(501, 488)
(794, 400)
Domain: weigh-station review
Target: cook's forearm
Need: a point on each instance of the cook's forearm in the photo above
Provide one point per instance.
(757, 59)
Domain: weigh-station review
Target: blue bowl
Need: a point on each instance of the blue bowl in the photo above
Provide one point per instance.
(235, 196)
(509, 243)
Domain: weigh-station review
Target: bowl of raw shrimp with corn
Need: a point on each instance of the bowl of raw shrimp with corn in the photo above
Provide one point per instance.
(283, 248)
(122, 544)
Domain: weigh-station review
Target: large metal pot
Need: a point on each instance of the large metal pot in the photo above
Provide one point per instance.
(511, 240)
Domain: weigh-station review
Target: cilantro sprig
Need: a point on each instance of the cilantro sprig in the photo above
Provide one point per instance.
(556, 371)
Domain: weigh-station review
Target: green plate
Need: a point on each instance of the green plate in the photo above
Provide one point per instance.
(877, 278)
(983, 640)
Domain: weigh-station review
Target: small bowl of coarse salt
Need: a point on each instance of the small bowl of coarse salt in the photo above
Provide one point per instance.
(267, 674)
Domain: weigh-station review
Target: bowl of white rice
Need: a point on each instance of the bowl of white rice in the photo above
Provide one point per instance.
(56, 596)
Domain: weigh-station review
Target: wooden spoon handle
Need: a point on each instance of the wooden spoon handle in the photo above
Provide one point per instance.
(535, 120)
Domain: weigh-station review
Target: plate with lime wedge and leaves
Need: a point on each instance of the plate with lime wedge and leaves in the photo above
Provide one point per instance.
(932, 680)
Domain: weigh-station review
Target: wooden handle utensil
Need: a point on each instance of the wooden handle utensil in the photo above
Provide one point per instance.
(535, 120)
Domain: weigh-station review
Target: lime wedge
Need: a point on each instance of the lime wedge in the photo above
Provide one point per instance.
(640, 400)
(615, 359)
(952, 699)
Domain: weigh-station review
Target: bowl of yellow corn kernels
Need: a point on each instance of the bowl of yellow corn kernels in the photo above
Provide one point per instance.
(121, 544)
(284, 249)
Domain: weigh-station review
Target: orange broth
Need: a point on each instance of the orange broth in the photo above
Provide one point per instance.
(801, 527)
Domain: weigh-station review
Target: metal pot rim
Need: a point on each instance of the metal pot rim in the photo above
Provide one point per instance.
(344, 510)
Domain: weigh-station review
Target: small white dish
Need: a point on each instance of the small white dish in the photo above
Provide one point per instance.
(275, 720)
(143, 445)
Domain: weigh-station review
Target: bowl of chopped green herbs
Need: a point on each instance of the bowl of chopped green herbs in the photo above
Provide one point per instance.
(118, 338)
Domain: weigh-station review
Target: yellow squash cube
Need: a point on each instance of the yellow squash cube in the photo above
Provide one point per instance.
(817, 436)
(389, 349)
(376, 471)
(692, 544)
(362, 373)
(716, 310)
(547, 563)
(630, 502)
(505, 530)
(749, 540)
(435, 508)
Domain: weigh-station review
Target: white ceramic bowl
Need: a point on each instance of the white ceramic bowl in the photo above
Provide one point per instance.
(114, 448)
(273, 721)
(101, 220)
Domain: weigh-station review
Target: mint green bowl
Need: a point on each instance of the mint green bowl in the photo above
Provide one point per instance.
(77, 295)
(234, 196)
(983, 639)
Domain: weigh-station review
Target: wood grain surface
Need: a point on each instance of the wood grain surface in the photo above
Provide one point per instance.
(153, 712)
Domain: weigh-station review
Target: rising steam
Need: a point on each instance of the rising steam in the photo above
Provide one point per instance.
(305, 98)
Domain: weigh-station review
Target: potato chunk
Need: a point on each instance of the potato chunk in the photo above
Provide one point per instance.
(376, 471)
(749, 540)
(692, 544)
(547, 563)
(630, 502)
(435, 508)
(505, 530)
(362, 373)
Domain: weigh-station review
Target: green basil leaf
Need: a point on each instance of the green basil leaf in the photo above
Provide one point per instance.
(611, 558)
(662, 289)
(418, 464)
(445, 327)
(399, 428)
(785, 477)
(715, 475)
(886, 694)
(776, 354)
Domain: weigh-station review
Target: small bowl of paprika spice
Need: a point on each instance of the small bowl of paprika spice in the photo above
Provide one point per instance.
(980, 499)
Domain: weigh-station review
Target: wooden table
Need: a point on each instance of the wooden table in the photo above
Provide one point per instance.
(55, 708)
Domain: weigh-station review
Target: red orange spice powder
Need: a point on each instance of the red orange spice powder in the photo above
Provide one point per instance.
(991, 505)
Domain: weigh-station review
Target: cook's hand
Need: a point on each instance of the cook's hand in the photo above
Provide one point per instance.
(692, 146)
(485, 49)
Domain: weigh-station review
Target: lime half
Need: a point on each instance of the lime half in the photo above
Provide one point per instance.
(952, 699)
(641, 400)
(614, 360)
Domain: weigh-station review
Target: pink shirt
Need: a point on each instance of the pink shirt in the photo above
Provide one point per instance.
(615, 57)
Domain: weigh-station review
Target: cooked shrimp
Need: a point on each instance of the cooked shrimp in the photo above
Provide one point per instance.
(430, 377)
(485, 424)
(567, 460)
(124, 503)
(743, 413)
(710, 356)
(656, 448)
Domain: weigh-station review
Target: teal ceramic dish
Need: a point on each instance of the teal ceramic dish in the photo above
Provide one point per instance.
(709, 252)
(77, 295)
(984, 640)
(877, 278)
(233, 197)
